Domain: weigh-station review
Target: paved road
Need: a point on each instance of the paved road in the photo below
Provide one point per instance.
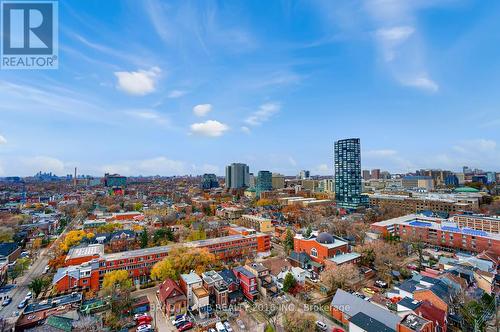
(35, 270)
(23, 282)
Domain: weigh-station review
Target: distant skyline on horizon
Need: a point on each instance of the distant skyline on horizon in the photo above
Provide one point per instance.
(187, 87)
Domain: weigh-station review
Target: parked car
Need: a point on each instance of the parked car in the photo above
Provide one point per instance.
(368, 290)
(181, 319)
(337, 329)
(22, 304)
(381, 284)
(6, 302)
(29, 295)
(322, 326)
(211, 330)
(186, 326)
(144, 328)
(228, 327)
(139, 316)
(144, 320)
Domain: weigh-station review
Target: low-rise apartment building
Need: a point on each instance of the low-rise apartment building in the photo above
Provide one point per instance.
(439, 232)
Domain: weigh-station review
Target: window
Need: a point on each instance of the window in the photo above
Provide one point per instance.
(314, 252)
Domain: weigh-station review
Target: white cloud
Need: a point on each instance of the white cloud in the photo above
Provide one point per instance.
(476, 145)
(210, 128)
(31, 165)
(395, 34)
(202, 109)
(153, 166)
(263, 114)
(292, 161)
(422, 82)
(3, 140)
(176, 93)
(245, 129)
(149, 115)
(140, 83)
(390, 38)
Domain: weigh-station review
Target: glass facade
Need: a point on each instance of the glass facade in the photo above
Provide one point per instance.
(264, 182)
(347, 155)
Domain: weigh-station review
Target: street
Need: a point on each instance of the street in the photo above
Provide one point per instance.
(35, 270)
(23, 282)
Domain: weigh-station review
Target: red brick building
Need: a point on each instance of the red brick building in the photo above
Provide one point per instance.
(439, 232)
(139, 262)
(248, 282)
(172, 299)
(320, 247)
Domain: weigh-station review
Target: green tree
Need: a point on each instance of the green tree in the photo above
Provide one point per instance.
(144, 238)
(288, 243)
(307, 233)
(38, 285)
(289, 282)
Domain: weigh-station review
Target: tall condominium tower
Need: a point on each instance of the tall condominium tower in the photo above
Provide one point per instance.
(347, 155)
(264, 182)
(237, 176)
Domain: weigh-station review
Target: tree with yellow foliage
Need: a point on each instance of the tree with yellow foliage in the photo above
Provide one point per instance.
(116, 279)
(196, 235)
(183, 260)
(74, 238)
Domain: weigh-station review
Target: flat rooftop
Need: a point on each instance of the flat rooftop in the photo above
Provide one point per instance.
(88, 251)
(218, 240)
(138, 253)
(435, 223)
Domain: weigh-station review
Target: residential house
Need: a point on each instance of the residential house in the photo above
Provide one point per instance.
(248, 282)
(201, 302)
(188, 283)
(298, 274)
(172, 299)
(265, 282)
(414, 323)
(345, 306)
(217, 289)
(233, 286)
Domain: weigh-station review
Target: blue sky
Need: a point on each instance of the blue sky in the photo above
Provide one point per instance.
(186, 87)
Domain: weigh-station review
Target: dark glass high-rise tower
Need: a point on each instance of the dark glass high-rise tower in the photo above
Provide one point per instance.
(347, 155)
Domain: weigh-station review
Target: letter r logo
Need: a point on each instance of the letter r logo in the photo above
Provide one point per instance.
(27, 28)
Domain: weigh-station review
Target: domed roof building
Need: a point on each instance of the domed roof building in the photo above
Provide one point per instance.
(325, 238)
(320, 247)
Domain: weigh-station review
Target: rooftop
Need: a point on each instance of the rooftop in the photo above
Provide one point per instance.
(414, 322)
(138, 253)
(191, 278)
(89, 251)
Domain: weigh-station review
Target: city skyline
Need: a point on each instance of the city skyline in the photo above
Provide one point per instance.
(199, 85)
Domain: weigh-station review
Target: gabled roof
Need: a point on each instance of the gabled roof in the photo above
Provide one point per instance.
(169, 289)
(351, 305)
(408, 285)
(432, 313)
(369, 324)
(301, 257)
(229, 277)
(409, 303)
